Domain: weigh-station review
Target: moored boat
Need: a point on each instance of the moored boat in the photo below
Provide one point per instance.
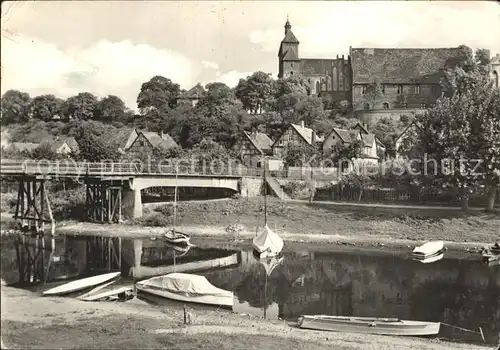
(370, 325)
(429, 252)
(186, 288)
(267, 243)
(176, 238)
(82, 284)
(119, 293)
(491, 259)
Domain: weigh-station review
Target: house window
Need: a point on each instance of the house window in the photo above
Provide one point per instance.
(291, 73)
(417, 89)
(291, 65)
(366, 106)
(386, 105)
(404, 105)
(400, 89)
(141, 143)
(363, 91)
(423, 105)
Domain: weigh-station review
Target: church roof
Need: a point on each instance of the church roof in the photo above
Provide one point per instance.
(291, 55)
(194, 93)
(401, 65)
(290, 38)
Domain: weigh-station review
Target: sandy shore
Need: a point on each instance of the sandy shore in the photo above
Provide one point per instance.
(32, 321)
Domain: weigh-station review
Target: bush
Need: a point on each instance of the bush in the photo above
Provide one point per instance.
(69, 204)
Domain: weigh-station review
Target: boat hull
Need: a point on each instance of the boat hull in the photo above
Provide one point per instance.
(369, 326)
(430, 259)
(226, 301)
(82, 284)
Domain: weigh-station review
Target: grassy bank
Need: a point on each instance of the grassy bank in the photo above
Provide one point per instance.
(31, 321)
(224, 222)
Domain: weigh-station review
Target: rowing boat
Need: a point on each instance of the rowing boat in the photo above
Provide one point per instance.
(186, 288)
(370, 325)
(82, 284)
(429, 252)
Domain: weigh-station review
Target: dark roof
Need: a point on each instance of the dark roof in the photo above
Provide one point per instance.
(124, 138)
(347, 136)
(24, 146)
(318, 66)
(290, 38)
(401, 65)
(291, 55)
(260, 141)
(194, 93)
(157, 141)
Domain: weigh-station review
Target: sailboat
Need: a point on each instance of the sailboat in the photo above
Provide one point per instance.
(267, 243)
(172, 236)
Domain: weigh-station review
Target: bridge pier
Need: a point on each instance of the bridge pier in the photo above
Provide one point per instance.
(132, 203)
(32, 212)
(103, 200)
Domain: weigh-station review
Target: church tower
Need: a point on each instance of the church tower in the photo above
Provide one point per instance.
(288, 55)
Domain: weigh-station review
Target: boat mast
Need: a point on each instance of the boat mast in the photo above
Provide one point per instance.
(265, 193)
(175, 197)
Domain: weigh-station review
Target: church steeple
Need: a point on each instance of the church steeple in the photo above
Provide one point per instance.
(288, 26)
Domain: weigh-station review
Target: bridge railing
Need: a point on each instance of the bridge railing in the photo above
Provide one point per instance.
(71, 168)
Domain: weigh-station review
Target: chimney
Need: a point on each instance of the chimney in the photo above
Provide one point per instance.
(313, 137)
(302, 124)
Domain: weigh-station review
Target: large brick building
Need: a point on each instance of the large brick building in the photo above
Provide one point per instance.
(378, 82)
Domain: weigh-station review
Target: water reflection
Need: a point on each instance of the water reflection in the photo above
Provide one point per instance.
(458, 292)
(463, 292)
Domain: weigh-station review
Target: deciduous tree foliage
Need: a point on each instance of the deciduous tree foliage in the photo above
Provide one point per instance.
(81, 106)
(45, 107)
(158, 93)
(110, 108)
(15, 107)
(256, 91)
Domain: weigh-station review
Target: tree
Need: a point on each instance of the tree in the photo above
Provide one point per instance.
(95, 148)
(44, 151)
(373, 93)
(386, 130)
(342, 153)
(45, 107)
(462, 135)
(15, 107)
(255, 91)
(292, 84)
(300, 155)
(81, 106)
(158, 93)
(110, 108)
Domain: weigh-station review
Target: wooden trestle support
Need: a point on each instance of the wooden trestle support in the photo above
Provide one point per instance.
(33, 244)
(103, 201)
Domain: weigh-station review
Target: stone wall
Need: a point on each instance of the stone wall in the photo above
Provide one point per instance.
(371, 117)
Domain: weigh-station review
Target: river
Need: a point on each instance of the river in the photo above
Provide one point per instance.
(461, 292)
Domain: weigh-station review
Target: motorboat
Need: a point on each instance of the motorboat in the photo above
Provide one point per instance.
(186, 287)
(82, 284)
(429, 252)
(369, 325)
(267, 243)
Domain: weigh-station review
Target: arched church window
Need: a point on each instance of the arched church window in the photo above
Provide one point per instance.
(495, 78)
(329, 83)
(386, 105)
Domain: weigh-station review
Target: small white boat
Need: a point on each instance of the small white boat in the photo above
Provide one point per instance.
(267, 243)
(370, 325)
(187, 288)
(176, 237)
(109, 294)
(429, 252)
(81, 284)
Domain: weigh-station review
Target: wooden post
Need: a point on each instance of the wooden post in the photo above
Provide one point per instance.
(185, 314)
(120, 253)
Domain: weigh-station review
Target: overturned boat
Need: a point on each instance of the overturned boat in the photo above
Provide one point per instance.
(429, 252)
(186, 288)
(267, 244)
(82, 284)
(369, 325)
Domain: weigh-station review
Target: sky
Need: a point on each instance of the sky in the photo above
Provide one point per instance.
(112, 47)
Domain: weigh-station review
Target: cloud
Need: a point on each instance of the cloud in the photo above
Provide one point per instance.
(103, 68)
(232, 78)
(386, 24)
(208, 64)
